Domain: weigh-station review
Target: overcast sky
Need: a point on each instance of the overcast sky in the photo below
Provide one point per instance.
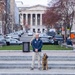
(32, 2)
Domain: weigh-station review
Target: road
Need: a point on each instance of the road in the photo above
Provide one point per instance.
(26, 38)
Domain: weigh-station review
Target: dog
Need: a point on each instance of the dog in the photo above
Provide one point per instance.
(45, 62)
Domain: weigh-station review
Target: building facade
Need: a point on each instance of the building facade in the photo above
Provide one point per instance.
(12, 13)
(8, 29)
(31, 18)
(9, 16)
(17, 25)
(4, 16)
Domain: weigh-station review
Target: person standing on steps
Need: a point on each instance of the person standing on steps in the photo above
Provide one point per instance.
(36, 45)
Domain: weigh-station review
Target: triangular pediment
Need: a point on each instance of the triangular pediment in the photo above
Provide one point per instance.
(37, 7)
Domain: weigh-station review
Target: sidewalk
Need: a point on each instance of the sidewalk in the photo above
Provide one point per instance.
(49, 52)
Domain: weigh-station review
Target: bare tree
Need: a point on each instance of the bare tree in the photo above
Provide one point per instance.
(64, 8)
(51, 17)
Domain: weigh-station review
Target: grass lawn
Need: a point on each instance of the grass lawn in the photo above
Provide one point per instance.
(45, 47)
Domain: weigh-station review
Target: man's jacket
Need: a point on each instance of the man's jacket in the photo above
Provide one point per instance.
(37, 44)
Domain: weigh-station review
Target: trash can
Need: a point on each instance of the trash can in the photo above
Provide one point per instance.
(26, 46)
(7, 43)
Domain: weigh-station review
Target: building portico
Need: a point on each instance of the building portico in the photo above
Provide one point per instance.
(32, 16)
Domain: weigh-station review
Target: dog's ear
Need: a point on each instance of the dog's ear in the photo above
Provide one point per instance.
(46, 56)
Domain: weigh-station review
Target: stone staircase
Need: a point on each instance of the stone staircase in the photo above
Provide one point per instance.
(18, 63)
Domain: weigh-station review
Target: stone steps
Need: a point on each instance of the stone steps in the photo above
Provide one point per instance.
(29, 58)
(7, 62)
(36, 72)
(19, 63)
(27, 64)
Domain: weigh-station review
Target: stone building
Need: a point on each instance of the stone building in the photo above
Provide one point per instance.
(4, 11)
(14, 12)
(31, 17)
(4, 16)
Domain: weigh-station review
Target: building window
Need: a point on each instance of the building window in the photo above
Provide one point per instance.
(43, 30)
(24, 19)
(38, 19)
(33, 19)
(28, 19)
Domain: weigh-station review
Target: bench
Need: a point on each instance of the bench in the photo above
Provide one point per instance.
(67, 46)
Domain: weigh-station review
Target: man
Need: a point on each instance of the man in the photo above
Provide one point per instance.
(36, 45)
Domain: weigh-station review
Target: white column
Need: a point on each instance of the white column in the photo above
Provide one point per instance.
(21, 19)
(36, 19)
(26, 18)
(36, 22)
(40, 19)
(31, 20)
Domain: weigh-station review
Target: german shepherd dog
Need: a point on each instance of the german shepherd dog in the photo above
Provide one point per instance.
(44, 62)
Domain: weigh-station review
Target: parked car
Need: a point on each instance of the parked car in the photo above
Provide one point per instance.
(46, 41)
(2, 40)
(2, 37)
(58, 39)
(44, 35)
(52, 33)
(30, 33)
(52, 30)
(12, 35)
(51, 40)
(11, 41)
(19, 33)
